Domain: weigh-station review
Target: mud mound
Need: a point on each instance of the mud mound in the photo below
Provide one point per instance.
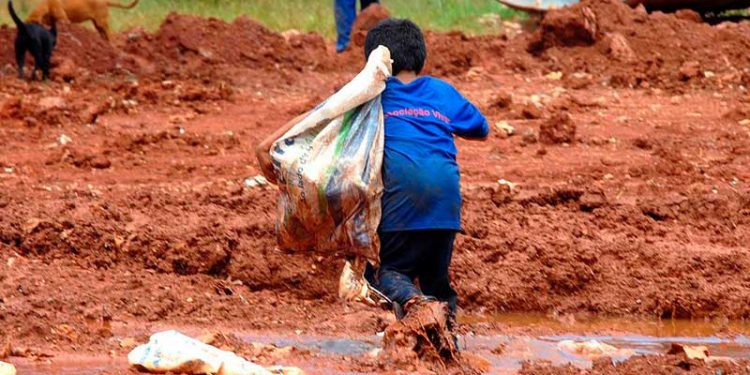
(634, 48)
(366, 20)
(89, 51)
(455, 53)
(184, 41)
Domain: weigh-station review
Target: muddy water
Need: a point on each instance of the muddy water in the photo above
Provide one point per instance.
(646, 327)
(722, 338)
(505, 352)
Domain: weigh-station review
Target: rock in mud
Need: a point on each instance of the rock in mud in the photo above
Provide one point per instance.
(100, 162)
(558, 129)
(689, 70)
(531, 112)
(66, 69)
(690, 352)
(529, 137)
(501, 100)
(619, 48)
(505, 128)
(592, 200)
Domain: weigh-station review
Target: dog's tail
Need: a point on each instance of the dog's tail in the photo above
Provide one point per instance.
(21, 26)
(113, 4)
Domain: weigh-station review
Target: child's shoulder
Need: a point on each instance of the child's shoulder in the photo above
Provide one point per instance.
(438, 84)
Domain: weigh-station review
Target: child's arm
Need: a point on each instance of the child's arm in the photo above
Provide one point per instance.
(470, 124)
(467, 121)
(263, 149)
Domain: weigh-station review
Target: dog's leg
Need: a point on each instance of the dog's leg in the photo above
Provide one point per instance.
(101, 23)
(45, 70)
(57, 12)
(20, 55)
(36, 52)
(46, 56)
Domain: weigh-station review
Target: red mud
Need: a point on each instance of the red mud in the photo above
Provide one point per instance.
(141, 217)
(632, 48)
(656, 365)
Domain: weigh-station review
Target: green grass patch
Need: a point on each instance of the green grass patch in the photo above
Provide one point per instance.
(305, 15)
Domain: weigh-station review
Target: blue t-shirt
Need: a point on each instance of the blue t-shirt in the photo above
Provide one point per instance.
(420, 172)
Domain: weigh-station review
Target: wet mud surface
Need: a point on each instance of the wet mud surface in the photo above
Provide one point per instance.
(123, 207)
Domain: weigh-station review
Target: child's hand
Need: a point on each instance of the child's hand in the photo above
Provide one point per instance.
(262, 152)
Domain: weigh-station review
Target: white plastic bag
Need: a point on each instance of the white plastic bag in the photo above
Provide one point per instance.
(7, 369)
(172, 351)
(329, 169)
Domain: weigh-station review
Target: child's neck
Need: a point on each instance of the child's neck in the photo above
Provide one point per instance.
(406, 76)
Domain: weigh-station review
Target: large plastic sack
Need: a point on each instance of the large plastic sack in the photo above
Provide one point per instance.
(329, 169)
(171, 351)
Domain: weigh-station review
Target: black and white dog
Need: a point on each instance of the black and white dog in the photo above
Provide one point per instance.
(35, 39)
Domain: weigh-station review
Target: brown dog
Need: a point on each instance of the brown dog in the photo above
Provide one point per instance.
(78, 11)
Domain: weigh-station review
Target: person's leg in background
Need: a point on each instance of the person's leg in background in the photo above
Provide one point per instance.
(345, 11)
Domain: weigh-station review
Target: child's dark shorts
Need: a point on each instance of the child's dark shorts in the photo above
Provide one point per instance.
(423, 255)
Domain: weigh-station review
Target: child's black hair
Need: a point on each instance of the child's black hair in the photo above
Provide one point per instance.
(405, 41)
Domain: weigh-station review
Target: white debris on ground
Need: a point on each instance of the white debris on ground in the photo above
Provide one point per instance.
(171, 351)
(593, 349)
(256, 181)
(505, 127)
(64, 139)
(507, 183)
(7, 369)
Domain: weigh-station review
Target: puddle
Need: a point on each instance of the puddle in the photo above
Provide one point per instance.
(325, 345)
(642, 336)
(517, 349)
(646, 327)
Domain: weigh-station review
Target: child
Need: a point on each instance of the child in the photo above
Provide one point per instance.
(421, 199)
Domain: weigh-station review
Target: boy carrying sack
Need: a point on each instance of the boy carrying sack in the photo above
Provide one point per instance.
(421, 199)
